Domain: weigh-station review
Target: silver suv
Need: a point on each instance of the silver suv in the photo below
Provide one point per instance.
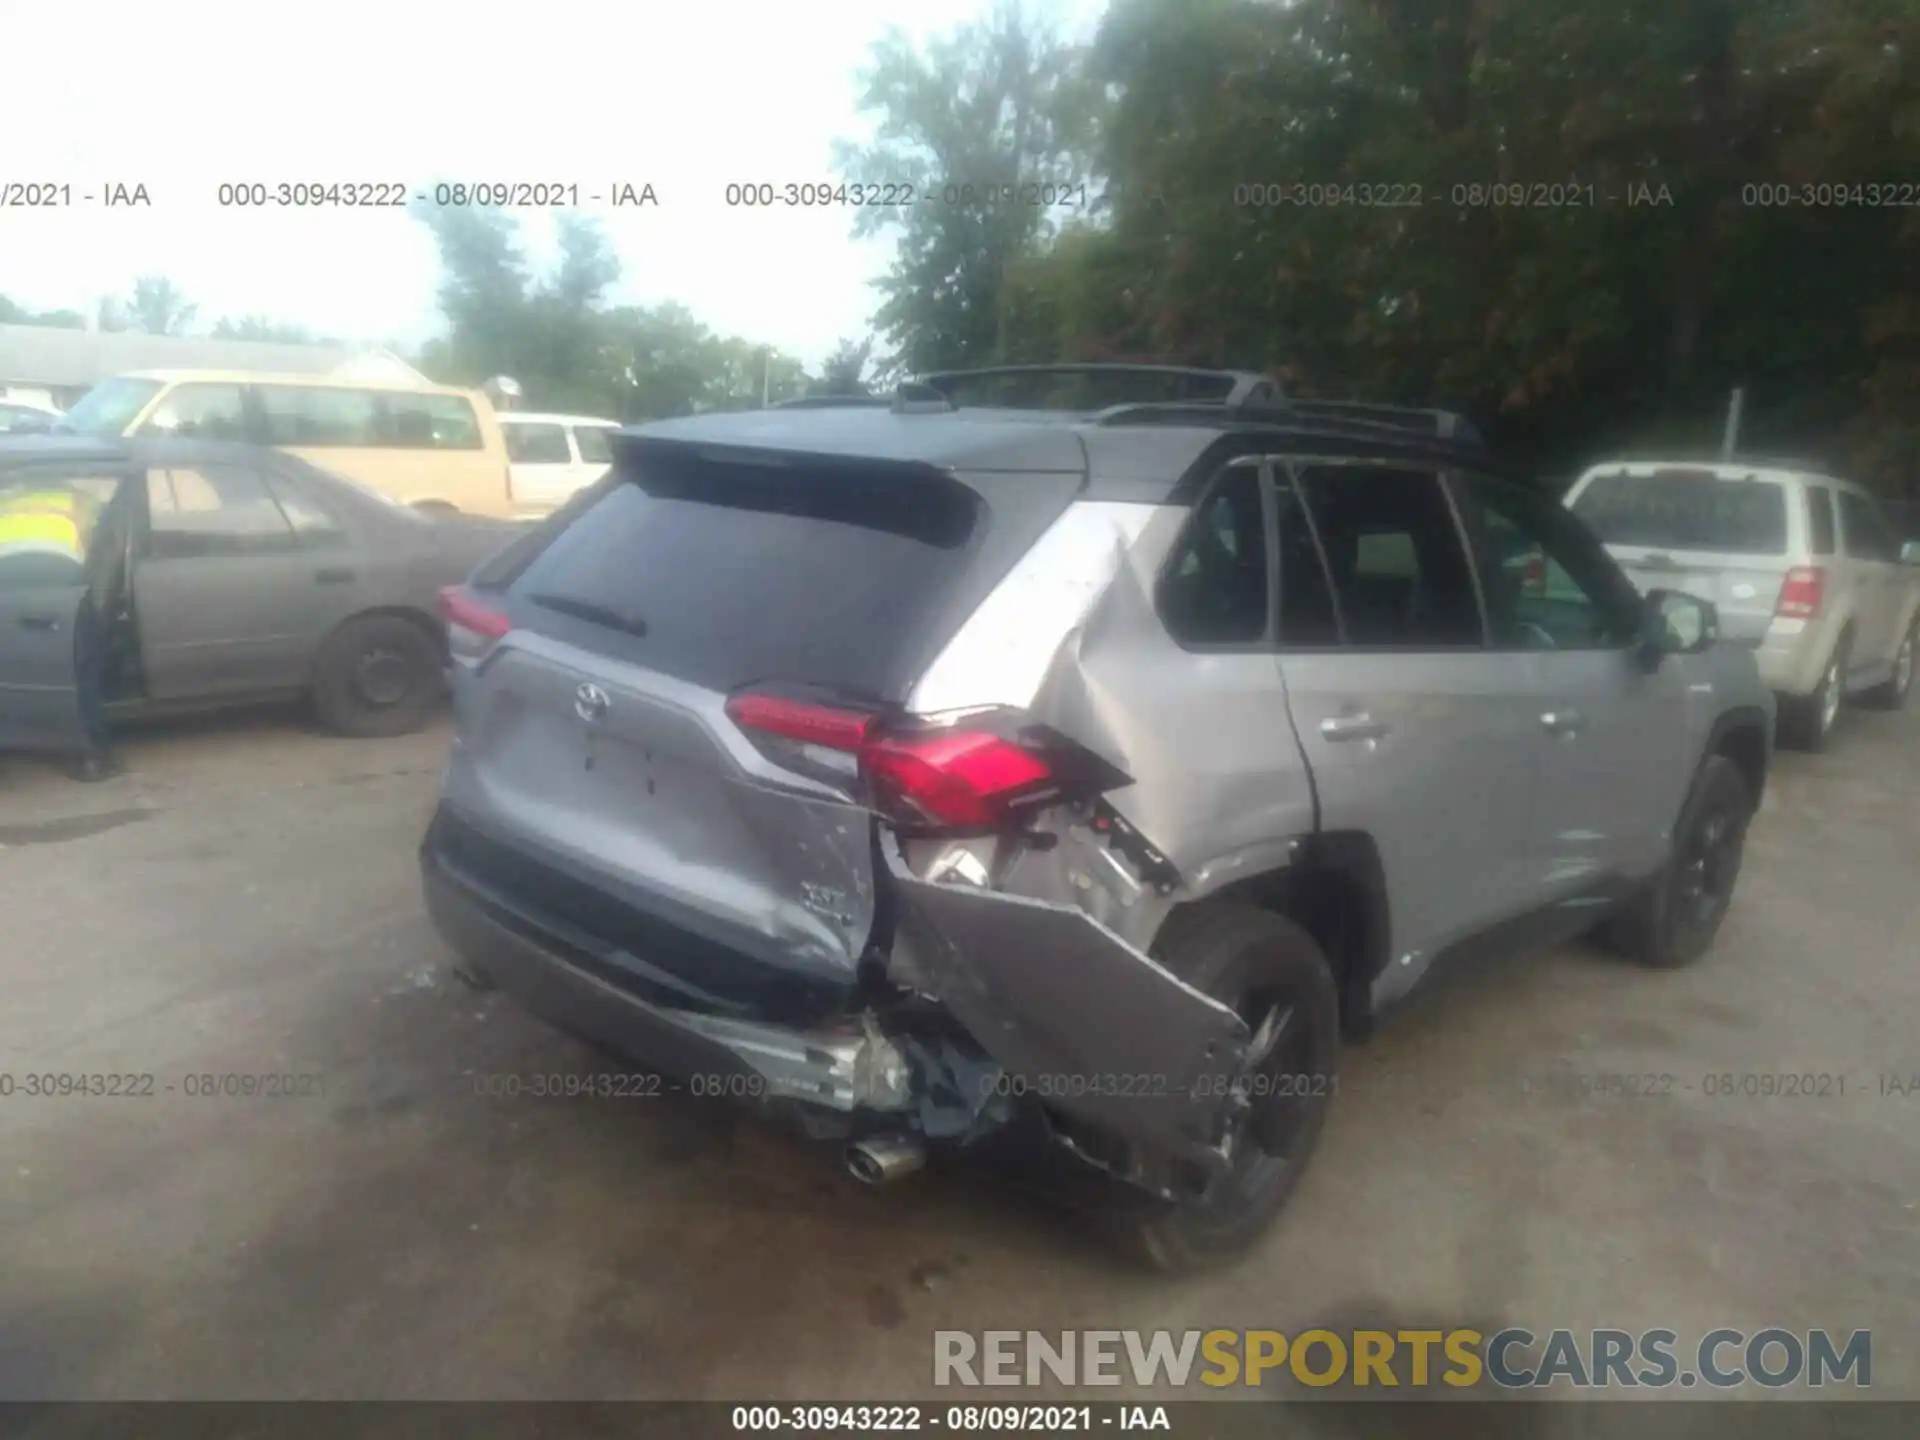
(1804, 568)
(949, 771)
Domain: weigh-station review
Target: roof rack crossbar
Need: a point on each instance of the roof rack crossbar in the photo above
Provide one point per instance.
(1354, 415)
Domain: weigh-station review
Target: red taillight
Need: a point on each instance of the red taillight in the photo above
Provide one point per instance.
(826, 725)
(462, 611)
(965, 779)
(940, 779)
(1800, 595)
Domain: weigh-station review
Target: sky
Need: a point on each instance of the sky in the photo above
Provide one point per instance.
(685, 95)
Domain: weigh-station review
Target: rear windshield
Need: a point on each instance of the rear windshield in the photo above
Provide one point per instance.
(1686, 510)
(740, 574)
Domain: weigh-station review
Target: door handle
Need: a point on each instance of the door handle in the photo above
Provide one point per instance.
(1358, 726)
(333, 577)
(1563, 722)
(46, 623)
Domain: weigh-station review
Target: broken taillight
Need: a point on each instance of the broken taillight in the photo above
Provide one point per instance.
(924, 778)
(472, 625)
(1802, 592)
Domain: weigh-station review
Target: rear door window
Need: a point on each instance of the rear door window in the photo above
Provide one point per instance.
(211, 510)
(1686, 510)
(1214, 589)
(727, 574)
(1400, 571)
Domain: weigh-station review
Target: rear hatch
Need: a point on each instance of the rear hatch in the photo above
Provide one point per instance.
(1718, 532)
(596, 772)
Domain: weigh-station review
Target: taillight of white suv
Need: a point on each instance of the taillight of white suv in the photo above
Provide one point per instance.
(1801, 593)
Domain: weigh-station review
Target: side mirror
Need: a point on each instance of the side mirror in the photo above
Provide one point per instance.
(1910, 553)
(1675, 623)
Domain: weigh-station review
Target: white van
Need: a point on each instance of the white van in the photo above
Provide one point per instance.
(435, 447)
(551, 456)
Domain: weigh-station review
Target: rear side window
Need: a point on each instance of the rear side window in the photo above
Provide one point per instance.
(728, 575)
(1867, 534)
(430, 422)
(1400, 572)
(320, 415)
(537, 444)
(1214, 589)
(592, 440)
(1820, 519)
(1686, 510)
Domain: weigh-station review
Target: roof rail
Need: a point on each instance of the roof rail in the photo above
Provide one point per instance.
(1219, 387)
(834, 402)
(1440, 424)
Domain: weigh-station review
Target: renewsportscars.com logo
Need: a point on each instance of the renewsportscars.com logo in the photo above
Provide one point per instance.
(1510, 1359)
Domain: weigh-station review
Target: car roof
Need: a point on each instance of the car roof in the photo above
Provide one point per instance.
(530, 417)
(36, 446)
(1153, 457)
(1773, 471)
(257, 377)
(138, 451)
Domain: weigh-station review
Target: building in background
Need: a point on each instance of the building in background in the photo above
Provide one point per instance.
(46, 366)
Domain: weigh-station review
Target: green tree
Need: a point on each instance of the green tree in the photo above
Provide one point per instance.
(843, 372)
(157, 306)
(15, 314)
(259, 327)
(964, 123)
(1311, 188)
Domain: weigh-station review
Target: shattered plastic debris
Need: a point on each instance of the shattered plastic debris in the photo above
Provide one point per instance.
(421, 977)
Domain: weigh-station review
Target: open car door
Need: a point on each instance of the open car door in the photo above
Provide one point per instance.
(47, 519)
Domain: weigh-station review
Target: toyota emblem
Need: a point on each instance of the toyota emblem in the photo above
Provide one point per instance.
(591, 703)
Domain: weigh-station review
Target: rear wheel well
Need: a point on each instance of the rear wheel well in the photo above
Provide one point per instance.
(1336, 891)
(1746, 747)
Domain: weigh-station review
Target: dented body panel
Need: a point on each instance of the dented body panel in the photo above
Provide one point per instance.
(1073, 1013)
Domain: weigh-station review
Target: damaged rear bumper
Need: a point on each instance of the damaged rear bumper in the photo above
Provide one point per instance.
(1027, 1006)
(849, 1074)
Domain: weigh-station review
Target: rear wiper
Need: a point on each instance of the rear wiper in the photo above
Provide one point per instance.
(596, 614)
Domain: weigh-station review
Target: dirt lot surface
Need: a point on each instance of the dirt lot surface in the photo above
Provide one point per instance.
(245, 902)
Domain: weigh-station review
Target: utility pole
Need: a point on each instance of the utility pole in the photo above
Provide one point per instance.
(1736, 403)
(766, 375)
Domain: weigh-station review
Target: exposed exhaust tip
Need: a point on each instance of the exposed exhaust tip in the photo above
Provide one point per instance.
(884, 1159)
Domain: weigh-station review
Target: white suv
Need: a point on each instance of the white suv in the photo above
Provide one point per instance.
(1803, 567)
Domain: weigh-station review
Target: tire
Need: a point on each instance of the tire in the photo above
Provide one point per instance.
(1807, 721)
(1674, 920)
(376, 675)
(1893, 694)
(1254, 961)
